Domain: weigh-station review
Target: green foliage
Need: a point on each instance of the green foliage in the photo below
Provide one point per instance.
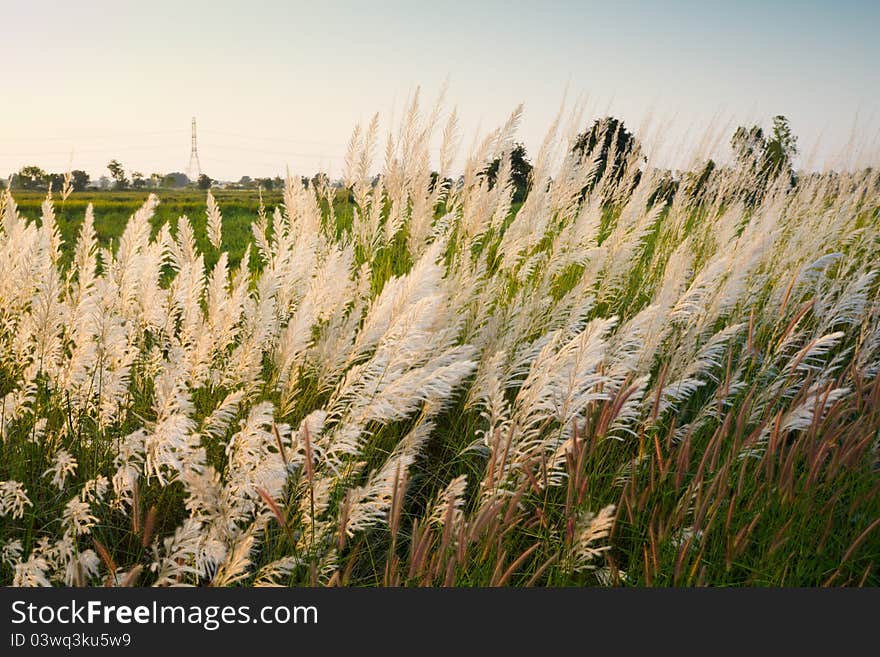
(612, 146)
(762, 160)
(174, 180)
(520, 172)
(117, 172)
(724, 434)
(31, 177)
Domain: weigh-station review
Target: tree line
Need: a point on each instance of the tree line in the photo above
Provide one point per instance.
(615, 152)
(613, 149)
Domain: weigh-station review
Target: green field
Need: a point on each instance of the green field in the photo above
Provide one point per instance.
(113, 209)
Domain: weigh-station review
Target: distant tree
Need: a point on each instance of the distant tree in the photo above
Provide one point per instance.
(693, 185)
(520, 170)
(435, 179)
(781, 148)
(245, 182)
(137, 180)
(265, 183)
(762, 160)
(103, 182)
(79, 180)
(55, 180)
(696, 182)
(32, 177)
(664, 189)
(175, 179)
(748, 146)
(156, 179)
(205, 182)
(614, 148)
(319, 180)
(118, 174)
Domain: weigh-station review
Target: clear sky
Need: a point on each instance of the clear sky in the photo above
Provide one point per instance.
(275, 83)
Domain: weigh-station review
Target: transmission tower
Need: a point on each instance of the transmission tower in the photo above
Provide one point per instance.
(194, 170)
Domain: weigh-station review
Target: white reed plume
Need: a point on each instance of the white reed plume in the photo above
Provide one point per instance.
(214, 222)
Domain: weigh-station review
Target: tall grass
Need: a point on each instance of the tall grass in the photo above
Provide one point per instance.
(436, 388)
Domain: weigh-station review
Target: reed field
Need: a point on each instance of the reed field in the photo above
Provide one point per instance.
(416, 381)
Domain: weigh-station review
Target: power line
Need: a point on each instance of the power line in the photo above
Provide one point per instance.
(272, 152)
(136, 148)
(274, 139)
(70, 138)
(78, 151)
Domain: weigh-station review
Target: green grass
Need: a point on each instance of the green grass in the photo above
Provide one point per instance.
(113, 208)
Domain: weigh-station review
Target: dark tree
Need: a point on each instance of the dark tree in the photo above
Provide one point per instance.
(696, 183)
(118, 174)
(665, 188)
(175, 179)
(435, 179)
(520, 170)
(137, 180)
(762, 160)
(56, 181)
(204, 182)
(79, 180)
(613, 146)
(319, 180)
(781, 149)
(32, 177)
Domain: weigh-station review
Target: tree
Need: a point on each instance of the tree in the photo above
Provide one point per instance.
(175, 179)
(696, 182)
(32, 177)
(156, 179)
(781, 148)
(205, 182)
(79, 180)
(446, 182)
(665, 188)
(55, 180)
(520, 170)
(615, 149)
(118, 174)
(137, 180)
(762, 160)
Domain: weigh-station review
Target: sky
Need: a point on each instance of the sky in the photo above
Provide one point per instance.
(277, 84)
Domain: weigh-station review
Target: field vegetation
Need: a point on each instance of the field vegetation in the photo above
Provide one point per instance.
(627, 379)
